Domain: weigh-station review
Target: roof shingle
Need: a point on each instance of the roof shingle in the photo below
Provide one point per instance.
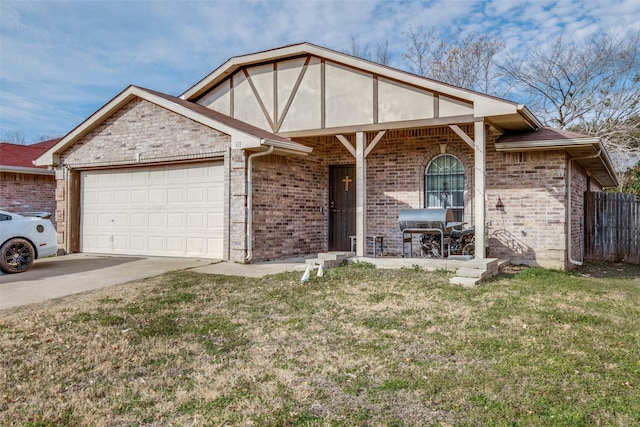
(23, 155)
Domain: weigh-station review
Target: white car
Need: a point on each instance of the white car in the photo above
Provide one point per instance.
(24, 238)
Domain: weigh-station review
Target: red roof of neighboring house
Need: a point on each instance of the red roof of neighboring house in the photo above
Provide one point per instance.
(17, 155)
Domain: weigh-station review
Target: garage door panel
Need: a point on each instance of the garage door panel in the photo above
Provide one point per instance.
(157, 195)
(156, 220)
(176, 220)
(105, 197)
(103, 242)
(196, 220)
(139, 220)
(121, 219)
(121, 243)
(139, 243)
(195, 244)
(121, 197)
(167, 211)
(175, 244)
(104, 220)
(175, 195)
(215, 220)
(196, 195)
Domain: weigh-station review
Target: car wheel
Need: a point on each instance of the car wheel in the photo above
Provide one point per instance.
(16, 256)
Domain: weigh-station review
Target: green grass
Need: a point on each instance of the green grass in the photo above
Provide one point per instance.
(358, 346)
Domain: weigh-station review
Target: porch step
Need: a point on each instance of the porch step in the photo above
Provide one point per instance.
(474, 271)
(466, 282)
(330, 259)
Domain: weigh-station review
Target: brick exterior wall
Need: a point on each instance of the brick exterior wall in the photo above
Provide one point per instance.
(526, 193)
(580, 183)
(23, 192)
(140, 133)
(291, 196)
(525, 199)
(395, 178)
(290, 200)
(238, 209)
(145, 128)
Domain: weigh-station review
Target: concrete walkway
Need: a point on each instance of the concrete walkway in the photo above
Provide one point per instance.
(253, 270)
(57, 277)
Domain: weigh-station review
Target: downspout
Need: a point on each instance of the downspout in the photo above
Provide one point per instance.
(250, 200)
(569, 191)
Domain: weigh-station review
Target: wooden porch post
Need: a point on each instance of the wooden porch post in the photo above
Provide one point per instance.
(479, 191)
(361, 195)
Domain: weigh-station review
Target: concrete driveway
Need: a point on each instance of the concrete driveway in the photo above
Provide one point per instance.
(75, 273)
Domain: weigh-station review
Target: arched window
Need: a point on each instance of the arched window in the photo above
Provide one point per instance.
(444, 184)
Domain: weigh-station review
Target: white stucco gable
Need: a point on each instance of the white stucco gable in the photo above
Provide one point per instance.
(306, 89)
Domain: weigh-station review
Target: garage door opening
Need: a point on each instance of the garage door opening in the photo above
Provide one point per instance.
(173, 210)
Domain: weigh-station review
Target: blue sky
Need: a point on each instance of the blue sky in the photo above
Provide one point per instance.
(60, 61)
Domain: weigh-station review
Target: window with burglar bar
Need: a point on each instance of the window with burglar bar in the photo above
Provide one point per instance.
(444, 184)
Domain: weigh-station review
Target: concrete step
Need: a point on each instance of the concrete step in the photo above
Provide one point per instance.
(475, 273)
(476, 270)
(487, 263)
(326, 263)
(330, 259)
(467, 282)
(336, 256)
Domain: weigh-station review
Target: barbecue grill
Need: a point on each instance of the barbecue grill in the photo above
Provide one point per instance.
(425, 221)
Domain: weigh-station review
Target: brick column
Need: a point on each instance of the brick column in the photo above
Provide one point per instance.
(479, 139)
(361, 195)
(238, 207)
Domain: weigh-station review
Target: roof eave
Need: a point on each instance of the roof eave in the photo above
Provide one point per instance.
(288, 147)
(27, 170)
(528, 116)
(552, 144)
(606, 160)
(571, 144)
(50, 157)
(240, 139)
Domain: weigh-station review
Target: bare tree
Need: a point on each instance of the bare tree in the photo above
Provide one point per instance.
(381, 53)
(465, 61)
(355, 49)
(45, 137)
(591, 87)
(14, 137)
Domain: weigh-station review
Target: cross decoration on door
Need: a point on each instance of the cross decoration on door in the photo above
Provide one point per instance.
(346, 181)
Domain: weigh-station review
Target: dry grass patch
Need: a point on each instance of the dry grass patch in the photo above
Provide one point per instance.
(358, 346)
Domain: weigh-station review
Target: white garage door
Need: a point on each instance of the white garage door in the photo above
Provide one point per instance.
(175, 210)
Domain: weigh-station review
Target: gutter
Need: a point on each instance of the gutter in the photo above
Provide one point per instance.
(549, 144)
(569, 192)
(249, 234)
(24, 169)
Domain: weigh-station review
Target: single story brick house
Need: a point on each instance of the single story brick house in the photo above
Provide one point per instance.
(23, 186)
(290, 151)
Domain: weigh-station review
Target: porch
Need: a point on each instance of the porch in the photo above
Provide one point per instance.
(469, 271)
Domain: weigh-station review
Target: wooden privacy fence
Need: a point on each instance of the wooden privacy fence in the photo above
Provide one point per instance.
(611, 227)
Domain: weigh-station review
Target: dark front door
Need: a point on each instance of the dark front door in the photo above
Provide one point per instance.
(342, 206)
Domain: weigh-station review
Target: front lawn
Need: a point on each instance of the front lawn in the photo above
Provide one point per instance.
(358, 346)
